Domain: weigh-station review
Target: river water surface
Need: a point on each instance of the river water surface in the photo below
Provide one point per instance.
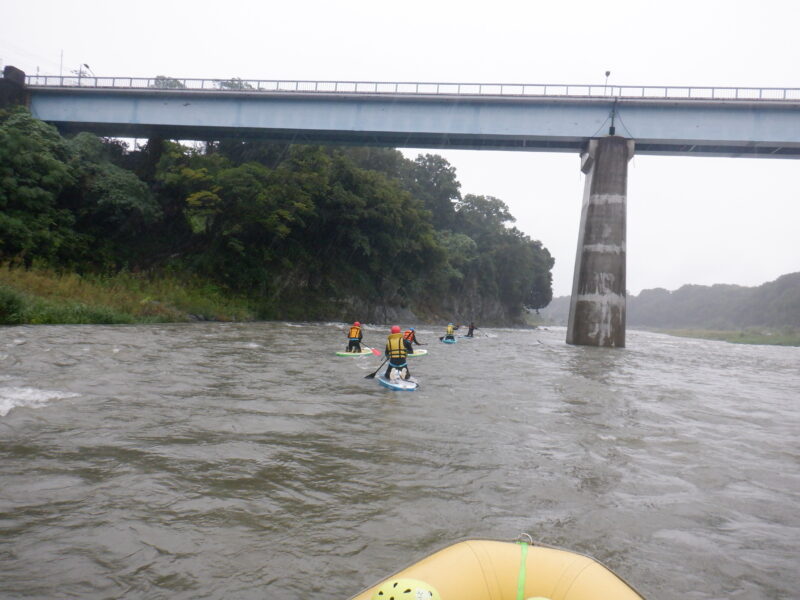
(247, 461)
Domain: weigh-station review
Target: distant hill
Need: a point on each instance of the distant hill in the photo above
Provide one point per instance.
(775, 304)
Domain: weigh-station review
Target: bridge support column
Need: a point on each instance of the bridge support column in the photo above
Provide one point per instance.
(597, 306)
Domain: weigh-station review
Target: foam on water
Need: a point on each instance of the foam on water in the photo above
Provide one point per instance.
(15, 397)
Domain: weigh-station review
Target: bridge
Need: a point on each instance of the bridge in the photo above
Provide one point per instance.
(604, 124)
(736, 122)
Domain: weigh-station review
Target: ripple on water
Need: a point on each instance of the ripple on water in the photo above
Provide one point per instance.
(27, 397)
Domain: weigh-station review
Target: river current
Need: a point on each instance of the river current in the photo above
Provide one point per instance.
(238, 461)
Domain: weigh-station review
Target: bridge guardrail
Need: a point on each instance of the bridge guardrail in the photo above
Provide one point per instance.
(421, 88)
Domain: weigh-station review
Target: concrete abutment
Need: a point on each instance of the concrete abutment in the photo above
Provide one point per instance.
(597, 306)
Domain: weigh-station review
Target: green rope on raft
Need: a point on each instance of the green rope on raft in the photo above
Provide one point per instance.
(521, 577)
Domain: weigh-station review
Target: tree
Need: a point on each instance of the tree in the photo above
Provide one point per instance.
(33, 173)
(234, 83)
(433, 180)
(238, 151)
(110, 204)
(167, 83)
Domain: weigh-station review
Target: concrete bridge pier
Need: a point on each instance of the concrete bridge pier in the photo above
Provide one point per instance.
(597, 307)
(12, 87)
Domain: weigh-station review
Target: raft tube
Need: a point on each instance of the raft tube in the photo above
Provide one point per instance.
(494, 570)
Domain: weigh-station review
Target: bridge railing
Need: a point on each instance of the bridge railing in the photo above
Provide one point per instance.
(415, 88)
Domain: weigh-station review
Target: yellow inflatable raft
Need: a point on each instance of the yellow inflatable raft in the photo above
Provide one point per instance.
(493, 570)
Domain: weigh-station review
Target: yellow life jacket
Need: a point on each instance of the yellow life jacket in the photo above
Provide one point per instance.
(395, 346)
(450, 330)
(355, 333)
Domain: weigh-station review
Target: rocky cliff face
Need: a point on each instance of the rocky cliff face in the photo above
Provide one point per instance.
(461, 309)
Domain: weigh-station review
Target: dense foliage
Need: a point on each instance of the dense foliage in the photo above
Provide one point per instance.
(774, 304)
(305, 231)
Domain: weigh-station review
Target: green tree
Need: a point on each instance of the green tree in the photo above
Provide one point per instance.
(433, 180)
(33, 172)
(238, 151)
(235, 83)
(110, 204)
(167, 83)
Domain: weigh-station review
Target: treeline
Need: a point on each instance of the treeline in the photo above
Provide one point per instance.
(306, 232)
(772, 305)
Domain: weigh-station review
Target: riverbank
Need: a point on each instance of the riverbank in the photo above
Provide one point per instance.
(786, 337)
(41, 296)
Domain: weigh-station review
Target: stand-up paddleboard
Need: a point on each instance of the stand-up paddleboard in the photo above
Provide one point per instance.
(444, 341)
(398, 385)
(417, 352)
(364, 352)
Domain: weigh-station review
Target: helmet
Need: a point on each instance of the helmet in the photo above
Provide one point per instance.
(356, 324)
(406, 589)
(395, 329)
(412, 329)
(449, 323)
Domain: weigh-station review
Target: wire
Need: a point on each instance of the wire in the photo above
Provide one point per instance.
(630, 135)
(13, 48)
(602, 125)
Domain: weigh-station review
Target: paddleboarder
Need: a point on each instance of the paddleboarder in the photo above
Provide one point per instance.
(397, 349)
(411, 335)
(354, 336)
(471, 329)
(449, 335)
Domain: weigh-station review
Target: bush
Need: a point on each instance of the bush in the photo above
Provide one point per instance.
(11, 306)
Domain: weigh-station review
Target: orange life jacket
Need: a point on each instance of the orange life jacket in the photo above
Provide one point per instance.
(355, 333)
(409, 335)
(395, 346)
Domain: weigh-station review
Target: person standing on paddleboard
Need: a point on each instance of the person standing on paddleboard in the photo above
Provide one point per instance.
(397, 349)
(471, 329)
(355, 336)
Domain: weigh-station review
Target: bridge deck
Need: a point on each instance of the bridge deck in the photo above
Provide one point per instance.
(741, 122)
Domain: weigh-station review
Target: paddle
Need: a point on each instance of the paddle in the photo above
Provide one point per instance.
(375, 351)
(371, 375)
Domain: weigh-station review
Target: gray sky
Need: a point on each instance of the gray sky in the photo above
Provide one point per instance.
(690, 220)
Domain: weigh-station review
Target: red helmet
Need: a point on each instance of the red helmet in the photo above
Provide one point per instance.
(356, 324)
(395, 329)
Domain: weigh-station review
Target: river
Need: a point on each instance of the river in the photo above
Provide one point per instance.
(220, 460)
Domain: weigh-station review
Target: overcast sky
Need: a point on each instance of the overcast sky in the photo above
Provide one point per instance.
(690, 220)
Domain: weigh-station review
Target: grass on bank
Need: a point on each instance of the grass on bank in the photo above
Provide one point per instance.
(44, 296)
(779, 337)
(786, 337)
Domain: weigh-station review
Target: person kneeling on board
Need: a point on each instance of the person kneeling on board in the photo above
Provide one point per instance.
(411, 336)
(355, 336)
(450, 332)
(397, 348)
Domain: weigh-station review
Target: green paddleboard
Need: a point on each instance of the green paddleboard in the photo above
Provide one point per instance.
(364, 352)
